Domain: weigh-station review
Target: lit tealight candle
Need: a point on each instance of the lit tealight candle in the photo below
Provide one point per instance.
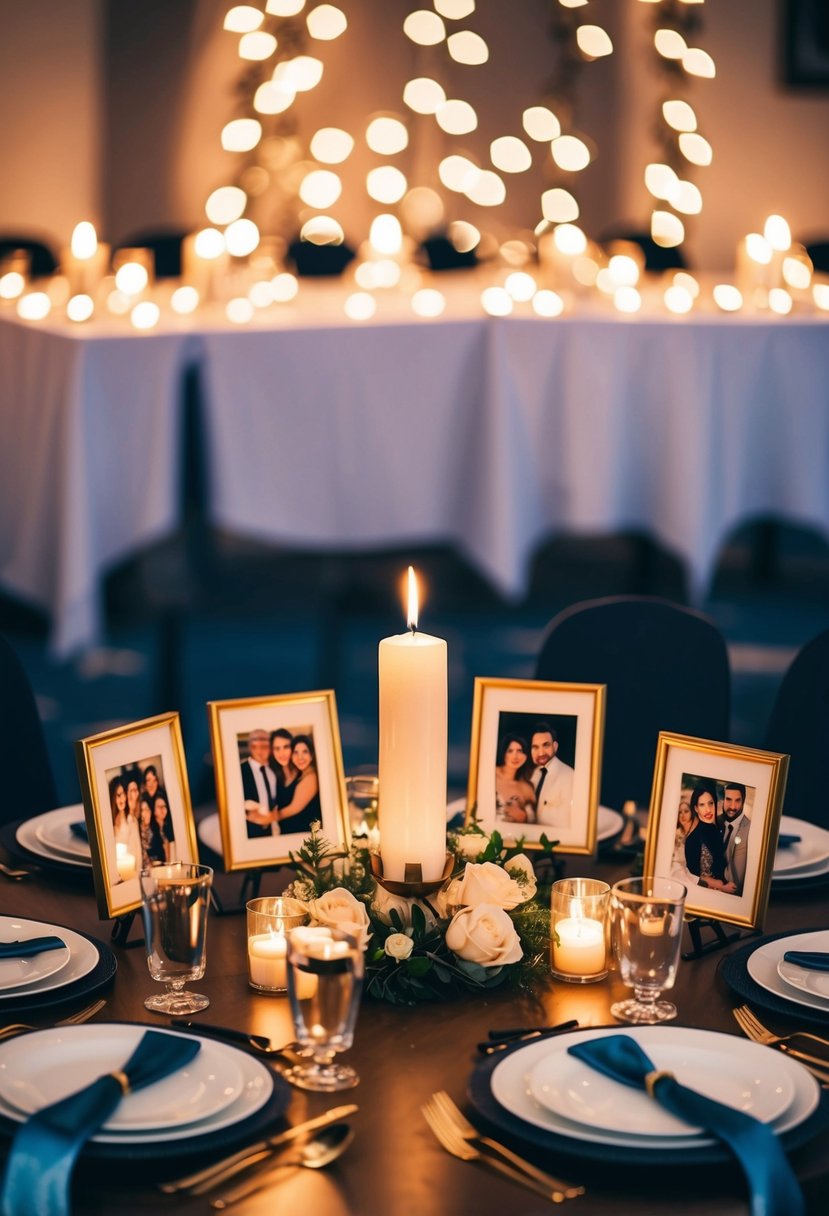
(85, 262)
(580, 949)
(267, 960)
(124, 861)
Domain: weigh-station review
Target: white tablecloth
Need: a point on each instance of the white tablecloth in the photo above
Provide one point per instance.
(491, 434)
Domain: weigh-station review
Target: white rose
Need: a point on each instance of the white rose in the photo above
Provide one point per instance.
(486, 883)
(398, 946)
(383, 902)
(484, 935)
(470, 844)
(338, 909)
(519, 866)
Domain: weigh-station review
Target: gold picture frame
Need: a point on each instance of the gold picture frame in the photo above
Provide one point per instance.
(148, 755)
(726, 879)
(568, 720)
(248, 775)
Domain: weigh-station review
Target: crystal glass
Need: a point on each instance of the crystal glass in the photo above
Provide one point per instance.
(578, 929)
(647, 931)
(325, 978)
(174, 907)
(269, 922)
(363, 793)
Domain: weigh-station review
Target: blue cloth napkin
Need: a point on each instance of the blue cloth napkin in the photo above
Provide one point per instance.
(35, 945)
(772, 1184)
(812, 960)
(80, 829)
(44, 1150)
(785, 840)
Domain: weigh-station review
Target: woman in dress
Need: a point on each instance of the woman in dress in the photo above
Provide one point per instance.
(164, 843)
(514, 793)
(145, 829)
(287, 775)
(126, 827)
(299, 813)
(704, 848)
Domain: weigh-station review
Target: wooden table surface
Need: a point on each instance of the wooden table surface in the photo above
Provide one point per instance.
(394, 1167)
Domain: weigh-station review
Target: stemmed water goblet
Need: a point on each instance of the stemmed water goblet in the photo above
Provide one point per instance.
(174, 909)
(647, 932)
(325, 979)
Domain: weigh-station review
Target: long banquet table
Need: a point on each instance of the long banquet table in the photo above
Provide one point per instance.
(403, 1055)
(487, 433)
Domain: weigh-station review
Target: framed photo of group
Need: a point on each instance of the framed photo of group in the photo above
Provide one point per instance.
(714, 821)
(535, 761)
(137, 806)
(279, 768)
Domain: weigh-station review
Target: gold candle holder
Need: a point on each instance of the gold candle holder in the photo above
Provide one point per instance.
(412, 885)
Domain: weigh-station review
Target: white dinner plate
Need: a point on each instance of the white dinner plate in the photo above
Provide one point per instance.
(804, 979)
(811, 850)
(510, 1088)
(608, 824)
(27, 836)
(191, 1101)
(763, 963)
(17, 973)
(572, 1089)
(83, 955)
(54, 831)
(794, 876)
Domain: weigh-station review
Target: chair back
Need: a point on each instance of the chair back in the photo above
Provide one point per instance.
(799, 727)
(42, 257)
(28, 785)
(165, 244)
(665, 667)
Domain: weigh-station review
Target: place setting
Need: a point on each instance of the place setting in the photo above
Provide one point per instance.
(785, 974)
(43, 965)
(55, 841)
(802, 856)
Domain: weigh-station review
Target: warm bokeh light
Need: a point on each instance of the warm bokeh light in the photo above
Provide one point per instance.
(559, 206)
(678, 300)
(386, 136)
(569, 239)
(257, 46)
(239, 310)
(273, 98)
(572, 3)
(209, 244)
(686, 197)
(548, 303)
(820, 295)
(12, 284)
(320, 188)
(510, 154)
(727, 297)
(464, 236)
(627, 299)
(424, 28)
(778, 233)
(243, 18)
(699, 63)
(427, 302)
(541, 124)
(184, 300)
(496, 301)
(593, 41)
(131, 278)
(326, 22)
(455, 10)
(241, 134)
(145, 315)
(780, 301)
(84, 243)
(521, 286)
(570, 153)
(679, 115)
(260, 294)
(695, 148)
(284, 8)
(80, 308)
(758, 248)
(301, 74)
(455, 171)
(379, 273)
(667, 229)
(687, 282)
(360, 306)
(797, 271)
(331, 145)
(284, 287)
(118, 303)
(225, 205)
(386, 235)
(660, 180)
(486, 189)
(468, 48)
(241, 238)
(456, 117)
(424, 95)
(322, 230)
(422, 209)
(386, 184)
(585, 270)
(670, 43)
(623, 270)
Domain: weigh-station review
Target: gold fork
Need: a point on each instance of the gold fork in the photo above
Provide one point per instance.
(74, 1019)
(14, 875)
(455, 1144)
(443, 1103)
(754, 1029)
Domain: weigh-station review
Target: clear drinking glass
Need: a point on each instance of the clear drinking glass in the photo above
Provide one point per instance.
(363, 792)
(325, 978)
(647, 932)
(174, 907)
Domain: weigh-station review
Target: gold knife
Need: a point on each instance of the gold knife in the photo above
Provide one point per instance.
(213, 1175)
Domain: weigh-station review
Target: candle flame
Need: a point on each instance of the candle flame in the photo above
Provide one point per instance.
(84, 240)
(413, 604)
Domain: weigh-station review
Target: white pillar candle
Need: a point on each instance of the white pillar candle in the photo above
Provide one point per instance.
(580, 949)
(86, 260)
(413, 742)
(267, 965)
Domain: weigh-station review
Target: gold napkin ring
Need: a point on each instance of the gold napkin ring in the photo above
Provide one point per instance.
(123, 1080)
(652, 1077)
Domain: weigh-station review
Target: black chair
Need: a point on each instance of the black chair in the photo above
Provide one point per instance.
(665, 667)
(818, 251)
(28, 784)
(799, 727)
(657, 258)
(165, 244)
(43, 259)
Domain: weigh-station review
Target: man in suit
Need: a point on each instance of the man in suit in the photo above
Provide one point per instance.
(735, 833)
(552, 779)
(259, 782)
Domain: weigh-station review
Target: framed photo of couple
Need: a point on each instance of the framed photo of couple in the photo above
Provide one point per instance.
(535, 761)
(279, 768)
(714, 821)
(136, 801)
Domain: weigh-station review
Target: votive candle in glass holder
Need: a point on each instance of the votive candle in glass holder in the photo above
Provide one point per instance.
(578, 927)
(269, 920)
